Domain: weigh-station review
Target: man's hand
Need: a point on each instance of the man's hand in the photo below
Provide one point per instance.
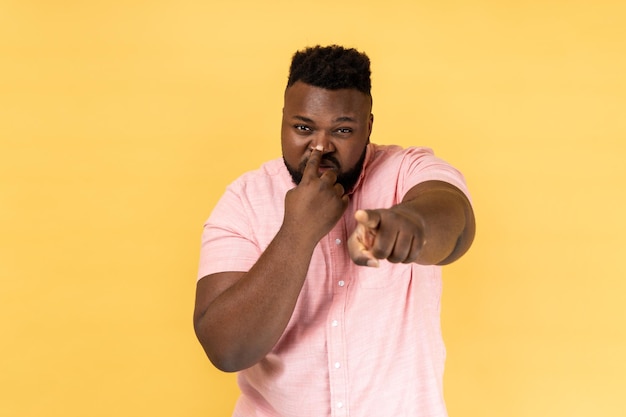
(317, 203)
(433, 225)
(393, 234)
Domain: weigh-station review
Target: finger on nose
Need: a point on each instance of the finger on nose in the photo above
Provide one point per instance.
(315, 157)
(318, 150)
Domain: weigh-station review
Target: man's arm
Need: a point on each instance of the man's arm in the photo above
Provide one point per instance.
(239, 316)
(433, 225)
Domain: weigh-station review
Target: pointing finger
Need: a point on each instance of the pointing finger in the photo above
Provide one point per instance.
(359, 249)
(313, 164)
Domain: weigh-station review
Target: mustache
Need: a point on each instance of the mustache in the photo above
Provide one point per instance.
(327, 160)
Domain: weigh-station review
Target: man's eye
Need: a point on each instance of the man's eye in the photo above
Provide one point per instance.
(344, 130)
(302, 128)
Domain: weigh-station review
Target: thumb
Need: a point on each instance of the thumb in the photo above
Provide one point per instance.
(368, 218)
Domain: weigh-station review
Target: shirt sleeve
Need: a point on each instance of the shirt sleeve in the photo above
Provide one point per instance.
(226, 238)
(421, 164)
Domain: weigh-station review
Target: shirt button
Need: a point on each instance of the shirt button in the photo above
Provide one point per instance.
(337, 241)
(339, 404)
(337, 365)
(335, 323)
(341, 283)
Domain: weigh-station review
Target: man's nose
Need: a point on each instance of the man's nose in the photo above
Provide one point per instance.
(325, 140)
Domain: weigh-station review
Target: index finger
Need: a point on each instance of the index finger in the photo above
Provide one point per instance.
(313, 164)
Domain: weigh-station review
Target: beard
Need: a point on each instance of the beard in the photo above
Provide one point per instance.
(347, 179)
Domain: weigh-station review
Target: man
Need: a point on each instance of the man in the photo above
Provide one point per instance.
(320, 274)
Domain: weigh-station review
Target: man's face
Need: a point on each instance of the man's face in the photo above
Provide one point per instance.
(339, 120)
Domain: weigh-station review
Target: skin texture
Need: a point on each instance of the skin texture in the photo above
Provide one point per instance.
(239, 316)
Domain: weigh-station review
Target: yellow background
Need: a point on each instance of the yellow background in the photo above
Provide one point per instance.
(121, 122)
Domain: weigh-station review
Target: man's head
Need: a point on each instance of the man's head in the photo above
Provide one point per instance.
(328, 102)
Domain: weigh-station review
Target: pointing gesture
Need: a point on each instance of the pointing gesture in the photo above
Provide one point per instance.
(434, 224)
(385, 234)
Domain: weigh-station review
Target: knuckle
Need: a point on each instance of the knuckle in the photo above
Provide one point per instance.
(331, 176)
(394, 259)
(379, 253)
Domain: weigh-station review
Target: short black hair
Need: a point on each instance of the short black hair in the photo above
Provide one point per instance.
(331, 67)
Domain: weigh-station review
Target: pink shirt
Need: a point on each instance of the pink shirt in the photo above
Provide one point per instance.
(362, 341)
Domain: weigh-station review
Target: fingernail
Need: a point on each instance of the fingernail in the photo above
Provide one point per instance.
(319, 148)
(373, 263)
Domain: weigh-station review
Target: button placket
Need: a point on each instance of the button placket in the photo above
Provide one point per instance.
(336, 336)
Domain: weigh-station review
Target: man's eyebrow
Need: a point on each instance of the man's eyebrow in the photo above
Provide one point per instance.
(303, 119)
(337, 120)
(345, 119)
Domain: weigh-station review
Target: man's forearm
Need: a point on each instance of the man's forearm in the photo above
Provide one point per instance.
(244, 322)
(240, 321)
(446, 219)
